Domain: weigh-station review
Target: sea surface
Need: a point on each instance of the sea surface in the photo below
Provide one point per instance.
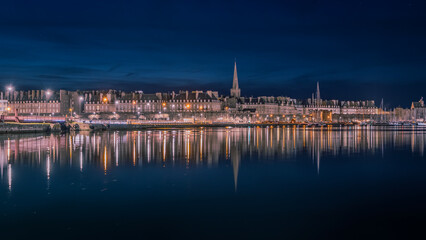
(214, 183)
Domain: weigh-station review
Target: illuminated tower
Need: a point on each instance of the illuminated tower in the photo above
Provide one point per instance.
(235, 90)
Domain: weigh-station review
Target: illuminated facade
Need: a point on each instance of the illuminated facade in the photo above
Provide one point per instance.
(418, 111)
(34, 102)
(141, 103)
(3, 107)
(184, 104)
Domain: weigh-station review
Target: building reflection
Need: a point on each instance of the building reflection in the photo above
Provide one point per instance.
(200, 147)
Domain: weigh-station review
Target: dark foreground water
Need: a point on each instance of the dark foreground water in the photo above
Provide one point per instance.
(240, 183)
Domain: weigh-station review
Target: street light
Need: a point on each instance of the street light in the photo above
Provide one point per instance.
(9, 90)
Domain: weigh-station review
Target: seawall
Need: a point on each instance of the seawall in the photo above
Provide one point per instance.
(24, 127)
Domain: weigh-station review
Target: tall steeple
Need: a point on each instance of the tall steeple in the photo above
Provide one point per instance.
(318, 94)
(235, 90)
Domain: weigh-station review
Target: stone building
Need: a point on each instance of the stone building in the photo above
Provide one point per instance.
(34, 102)
(418, 111)
(195, 101)
(139, 103)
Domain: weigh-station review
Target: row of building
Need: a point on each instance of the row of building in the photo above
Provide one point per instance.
(195, 104)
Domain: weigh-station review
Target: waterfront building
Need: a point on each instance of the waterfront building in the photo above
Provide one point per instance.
(151, 106)
(400, 114)
(269, 105)
(195, 101)
(418, 111)
(99, 101)
(34, 102)
(41, 102)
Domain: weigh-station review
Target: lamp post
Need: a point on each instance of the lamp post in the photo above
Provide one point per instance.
(80, 108)
(39, 101)
(9, 89)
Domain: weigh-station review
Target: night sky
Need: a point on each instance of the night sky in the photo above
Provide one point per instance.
(356, 49)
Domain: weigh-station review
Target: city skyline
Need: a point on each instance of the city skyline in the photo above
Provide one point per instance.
(234, 92)
(374, 48)
(225, 92)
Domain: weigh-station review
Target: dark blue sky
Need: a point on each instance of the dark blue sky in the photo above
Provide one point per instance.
(356, 49)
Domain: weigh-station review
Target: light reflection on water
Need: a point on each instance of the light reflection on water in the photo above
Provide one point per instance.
(193, 148)
(213, 182)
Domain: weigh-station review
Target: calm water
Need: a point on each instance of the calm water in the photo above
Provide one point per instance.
(214, 183)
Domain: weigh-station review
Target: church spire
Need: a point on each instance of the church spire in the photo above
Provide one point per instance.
(318, 94)
(235, 90)
(235, 79)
